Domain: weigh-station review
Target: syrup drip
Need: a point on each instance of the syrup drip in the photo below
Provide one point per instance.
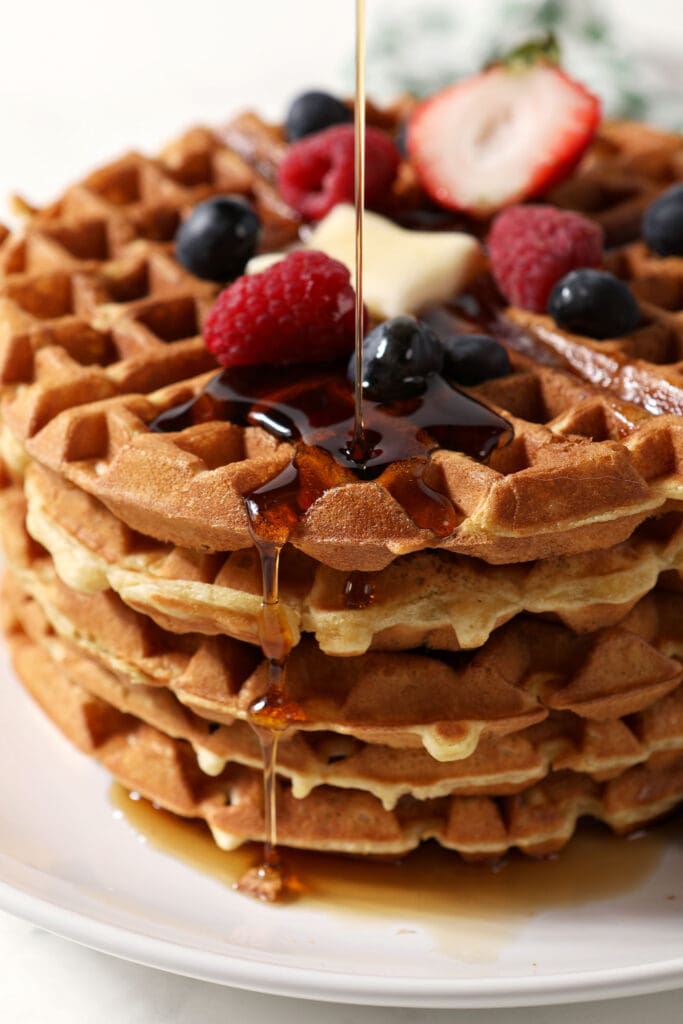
(314, 408)
(359, 591)
(273, 511)
(270, 716)
(359, 202)
(338, 438)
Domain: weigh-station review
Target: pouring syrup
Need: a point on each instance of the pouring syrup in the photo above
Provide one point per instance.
(338, 437)
(273, 713)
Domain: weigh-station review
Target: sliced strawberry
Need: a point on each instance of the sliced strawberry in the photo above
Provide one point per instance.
(502, 136)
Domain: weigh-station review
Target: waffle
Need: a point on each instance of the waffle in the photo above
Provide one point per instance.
(498, 683)
(528, 669)
(498, 766)
(538, 821)
(585, 467)
(438, 600)
(627, 167)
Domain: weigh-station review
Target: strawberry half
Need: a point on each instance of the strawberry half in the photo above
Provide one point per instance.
(502, 136)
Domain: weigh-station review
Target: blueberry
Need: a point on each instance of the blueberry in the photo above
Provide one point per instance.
(398, 357)
(663, 223)
(218, 238)
(473, 358)
(594, 303)
(312, 111)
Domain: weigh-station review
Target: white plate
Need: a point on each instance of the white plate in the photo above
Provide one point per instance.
(70, 864)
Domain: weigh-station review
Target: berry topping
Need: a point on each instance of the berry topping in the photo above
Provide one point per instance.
(594, 303)
(501, 136)
(398, 356)
(218, 238)
(318, 172)
(473, 358)
(663, 223)
(532, 247)
(299, 310)
(312, 112)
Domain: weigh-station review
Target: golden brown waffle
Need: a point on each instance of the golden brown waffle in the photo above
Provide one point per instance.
(91, 301)
(100, 330)
(432, 599)
(538, 821)
(498, 767)
(628, 166)
(89, 333)
(584, 469)
(447, 704)
(645, 365)
(598, 493)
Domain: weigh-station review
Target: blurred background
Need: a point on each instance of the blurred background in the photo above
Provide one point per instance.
(81, 82)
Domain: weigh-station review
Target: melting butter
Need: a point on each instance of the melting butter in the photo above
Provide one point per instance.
(403, 271)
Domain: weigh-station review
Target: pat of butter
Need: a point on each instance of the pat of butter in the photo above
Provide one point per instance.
(403, 271)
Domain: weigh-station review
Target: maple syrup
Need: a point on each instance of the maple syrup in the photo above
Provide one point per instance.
(431, 887)
(273, 511)
(338, 438)
(359, 440)
(270, 716)
(314, 409)
(359, 590)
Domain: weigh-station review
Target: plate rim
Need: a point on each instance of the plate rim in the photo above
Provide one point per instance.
(327, 985)
(22, 897)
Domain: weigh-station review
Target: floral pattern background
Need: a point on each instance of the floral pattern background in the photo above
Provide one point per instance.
(95, 81)
(421, 47)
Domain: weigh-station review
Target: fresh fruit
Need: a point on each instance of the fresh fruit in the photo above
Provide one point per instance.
(594, 303)
(663, 223)
(398, 357)
(501, 136)
(218, 238)
(312, 112)
(299, 310)
(532, 247)
(470, 359)
(318, 172)
(403, 271)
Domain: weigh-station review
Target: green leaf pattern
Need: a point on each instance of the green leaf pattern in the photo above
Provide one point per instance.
(433, 43)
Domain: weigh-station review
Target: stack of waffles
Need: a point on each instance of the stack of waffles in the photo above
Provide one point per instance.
(485, 689)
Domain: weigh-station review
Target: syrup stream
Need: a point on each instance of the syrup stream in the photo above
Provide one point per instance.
(262, 715)
(271, 714)
(359, 188)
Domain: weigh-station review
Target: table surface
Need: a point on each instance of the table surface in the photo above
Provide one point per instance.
(47, 980)
(134, 76)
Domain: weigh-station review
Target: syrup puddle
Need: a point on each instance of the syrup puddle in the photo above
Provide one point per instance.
(468, 911)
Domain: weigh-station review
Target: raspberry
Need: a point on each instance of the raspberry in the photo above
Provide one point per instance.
(318, 172)
(300, 310)
(532, 247)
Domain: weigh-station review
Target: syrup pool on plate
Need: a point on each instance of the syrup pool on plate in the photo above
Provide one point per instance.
(430, 887)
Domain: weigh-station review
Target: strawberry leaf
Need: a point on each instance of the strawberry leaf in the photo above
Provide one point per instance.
(544, 48)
